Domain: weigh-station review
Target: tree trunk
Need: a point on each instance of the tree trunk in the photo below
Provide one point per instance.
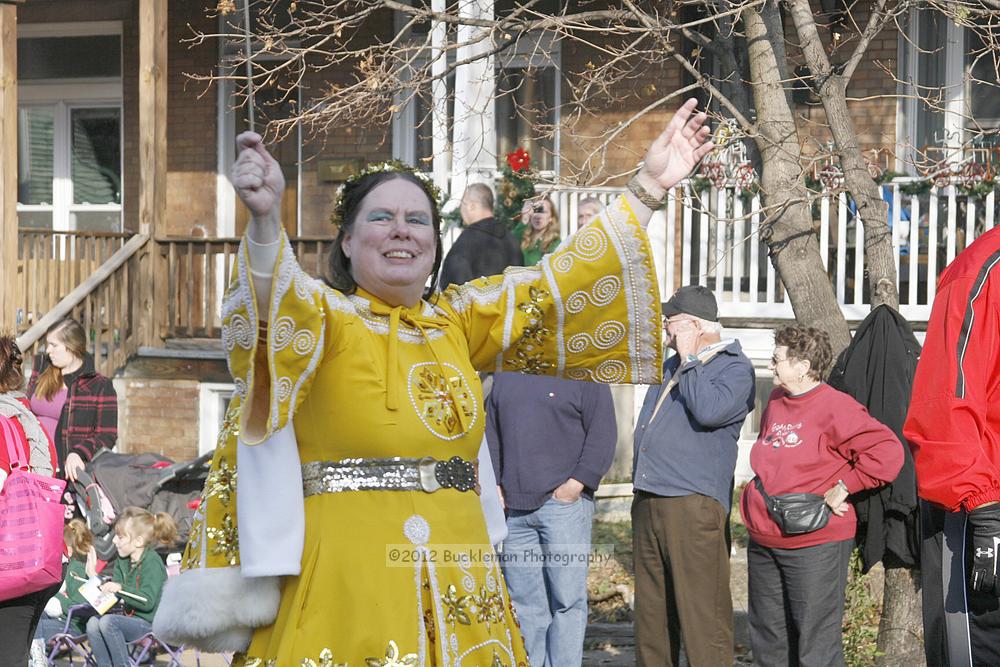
(900, 631)
(788, 229)
(872, 209)
(900, 638)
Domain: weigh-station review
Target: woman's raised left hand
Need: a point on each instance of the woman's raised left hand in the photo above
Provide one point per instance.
(679, 148)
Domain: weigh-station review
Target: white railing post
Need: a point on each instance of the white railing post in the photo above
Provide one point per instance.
(932, 245)
(914, 249)
(703, 237)
(739, 245)
(720, 243)
(824, 229)
(952, 224)
(841, 246)
(686, 237)
(671, 246)
(755, 249)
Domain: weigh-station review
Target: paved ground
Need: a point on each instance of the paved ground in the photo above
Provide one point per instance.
(607, 644)
(613, 645)
(610, 644)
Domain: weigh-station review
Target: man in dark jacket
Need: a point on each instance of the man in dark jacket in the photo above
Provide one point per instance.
(486, 247)
(684, 458)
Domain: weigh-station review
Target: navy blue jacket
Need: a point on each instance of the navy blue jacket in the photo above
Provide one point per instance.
(543, 431)
(690, 446)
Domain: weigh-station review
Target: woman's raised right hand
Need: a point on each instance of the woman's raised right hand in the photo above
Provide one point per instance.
(257, 177)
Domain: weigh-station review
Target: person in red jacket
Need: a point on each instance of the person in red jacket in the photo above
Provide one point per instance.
(953, 426)
(813, 439)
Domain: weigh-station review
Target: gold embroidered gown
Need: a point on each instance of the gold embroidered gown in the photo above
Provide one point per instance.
(403, 577)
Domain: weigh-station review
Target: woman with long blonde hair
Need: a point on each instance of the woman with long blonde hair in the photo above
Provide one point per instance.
(541, 229)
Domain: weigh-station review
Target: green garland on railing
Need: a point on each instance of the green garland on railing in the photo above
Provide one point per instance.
(980, 189)
(916, 188)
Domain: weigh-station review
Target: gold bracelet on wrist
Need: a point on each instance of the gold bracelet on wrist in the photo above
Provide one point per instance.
(644, 196)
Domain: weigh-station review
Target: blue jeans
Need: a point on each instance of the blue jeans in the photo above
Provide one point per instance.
(550, 595)
(109, 636)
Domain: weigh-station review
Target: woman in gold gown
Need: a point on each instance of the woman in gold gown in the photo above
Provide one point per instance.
(376, 379)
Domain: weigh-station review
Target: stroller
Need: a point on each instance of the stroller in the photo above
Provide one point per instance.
(111, 482)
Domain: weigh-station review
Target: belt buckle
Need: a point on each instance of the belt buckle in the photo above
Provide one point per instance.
(455, 473)
(426, 469)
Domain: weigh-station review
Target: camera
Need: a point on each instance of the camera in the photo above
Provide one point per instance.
(538, 208)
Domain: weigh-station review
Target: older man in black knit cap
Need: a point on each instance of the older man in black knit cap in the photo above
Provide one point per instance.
(685, 455)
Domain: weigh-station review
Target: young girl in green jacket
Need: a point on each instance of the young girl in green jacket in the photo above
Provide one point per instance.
(138, 578)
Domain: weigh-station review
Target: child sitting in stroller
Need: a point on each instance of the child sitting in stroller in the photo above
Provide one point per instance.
(138, 578)
(82, 565)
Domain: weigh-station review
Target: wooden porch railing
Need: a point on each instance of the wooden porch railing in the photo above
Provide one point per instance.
(192, 274)
(52, 263)
(106, 303)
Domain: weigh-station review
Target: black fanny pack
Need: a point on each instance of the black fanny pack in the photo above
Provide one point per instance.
(795, 513)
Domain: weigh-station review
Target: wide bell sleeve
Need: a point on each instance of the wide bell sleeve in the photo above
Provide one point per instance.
(210, 604)
(297, 335)
(587, 311)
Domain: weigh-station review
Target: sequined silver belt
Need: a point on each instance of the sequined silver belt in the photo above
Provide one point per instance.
(390, 474)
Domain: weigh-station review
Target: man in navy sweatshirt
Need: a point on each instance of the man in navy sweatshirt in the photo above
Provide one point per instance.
(551, 441)
(684, 458)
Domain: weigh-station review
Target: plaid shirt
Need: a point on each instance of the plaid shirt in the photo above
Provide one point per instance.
(89, 419)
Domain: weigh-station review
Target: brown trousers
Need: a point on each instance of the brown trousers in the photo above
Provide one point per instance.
(681, 581)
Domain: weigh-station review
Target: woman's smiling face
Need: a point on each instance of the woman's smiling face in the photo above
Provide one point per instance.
(392, 242)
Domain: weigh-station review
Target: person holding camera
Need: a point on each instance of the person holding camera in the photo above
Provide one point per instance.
(541, 231)
(813, 440)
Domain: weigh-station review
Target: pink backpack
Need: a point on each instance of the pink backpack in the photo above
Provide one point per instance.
(31, 524)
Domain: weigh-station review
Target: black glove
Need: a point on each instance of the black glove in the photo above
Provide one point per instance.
(984, 527)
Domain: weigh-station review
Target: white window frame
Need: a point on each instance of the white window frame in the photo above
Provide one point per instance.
(956, 87)
(211, 413)
(63, 96)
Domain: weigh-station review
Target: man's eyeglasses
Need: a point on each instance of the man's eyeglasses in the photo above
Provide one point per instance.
(775, 360)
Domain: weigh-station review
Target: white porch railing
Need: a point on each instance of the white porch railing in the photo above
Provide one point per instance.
(712, 238)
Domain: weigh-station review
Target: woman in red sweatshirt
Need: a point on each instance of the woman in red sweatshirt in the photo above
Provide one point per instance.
(813, 439)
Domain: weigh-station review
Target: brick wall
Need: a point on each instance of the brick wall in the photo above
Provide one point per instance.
(192, 137)
(873, 114)
(159, 416)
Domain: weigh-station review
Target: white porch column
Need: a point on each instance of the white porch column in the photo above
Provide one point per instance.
(474, 148)
(955, 103)
(439, 94)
